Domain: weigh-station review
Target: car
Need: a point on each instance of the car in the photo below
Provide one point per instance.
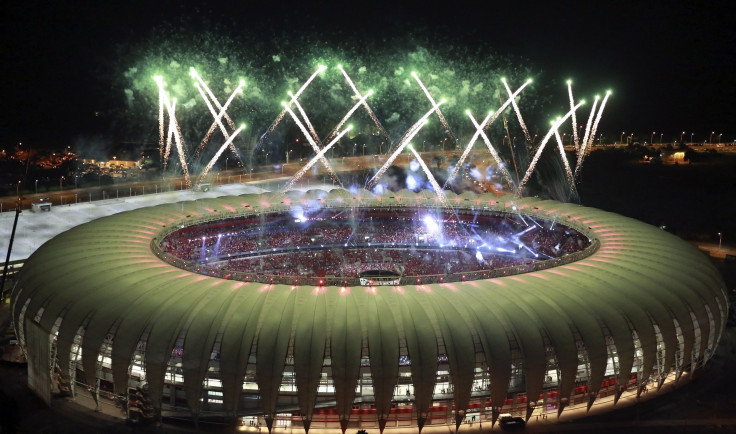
(509, 422)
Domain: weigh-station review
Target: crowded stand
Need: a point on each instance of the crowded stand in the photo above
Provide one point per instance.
(337, 243)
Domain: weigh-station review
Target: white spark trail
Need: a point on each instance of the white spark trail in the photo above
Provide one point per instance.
(404, 141)
(544, 141)
(179, 142)
(306, 119)
(518, 113)
(159, 83)
(561, 148)
(588, 127)
(218, 118)
(314, 145)
(574, 118)
(169, 140)
(439, 112)
(350, 113)
(507, 103)
(317, 157)
(499, 163)
(212, 96)
(365, 104)
(437, 189)
(217, 155)
(488, 121)
(283, 112)
(171, 109)
(584, 149)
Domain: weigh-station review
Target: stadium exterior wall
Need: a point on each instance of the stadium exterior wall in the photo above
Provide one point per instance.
(643, 306)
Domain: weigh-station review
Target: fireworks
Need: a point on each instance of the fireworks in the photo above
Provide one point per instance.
(517, 111)
(484, 126)
(439, 112)
(574, 117)
(555, 126)
(298, 112)
(402, 143)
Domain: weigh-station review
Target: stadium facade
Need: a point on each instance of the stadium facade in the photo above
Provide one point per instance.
(102, 312)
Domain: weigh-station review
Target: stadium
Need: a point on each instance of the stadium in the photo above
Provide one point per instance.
(338, 310)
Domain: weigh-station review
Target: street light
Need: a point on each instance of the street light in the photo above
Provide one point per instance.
(226, 158)
(651, 138)
(660, 137)
(60, 185)
(621, 140)
(691, 138)
(720, 240)
(37, 186)
(681, 134)
(719, 137)
(711, 137)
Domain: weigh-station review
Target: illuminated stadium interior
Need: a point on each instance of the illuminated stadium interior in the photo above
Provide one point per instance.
(341, 244)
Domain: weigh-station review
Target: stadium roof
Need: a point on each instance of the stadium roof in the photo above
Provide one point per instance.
(105, 274)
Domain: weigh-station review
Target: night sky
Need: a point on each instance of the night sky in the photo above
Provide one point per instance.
(671, 65)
